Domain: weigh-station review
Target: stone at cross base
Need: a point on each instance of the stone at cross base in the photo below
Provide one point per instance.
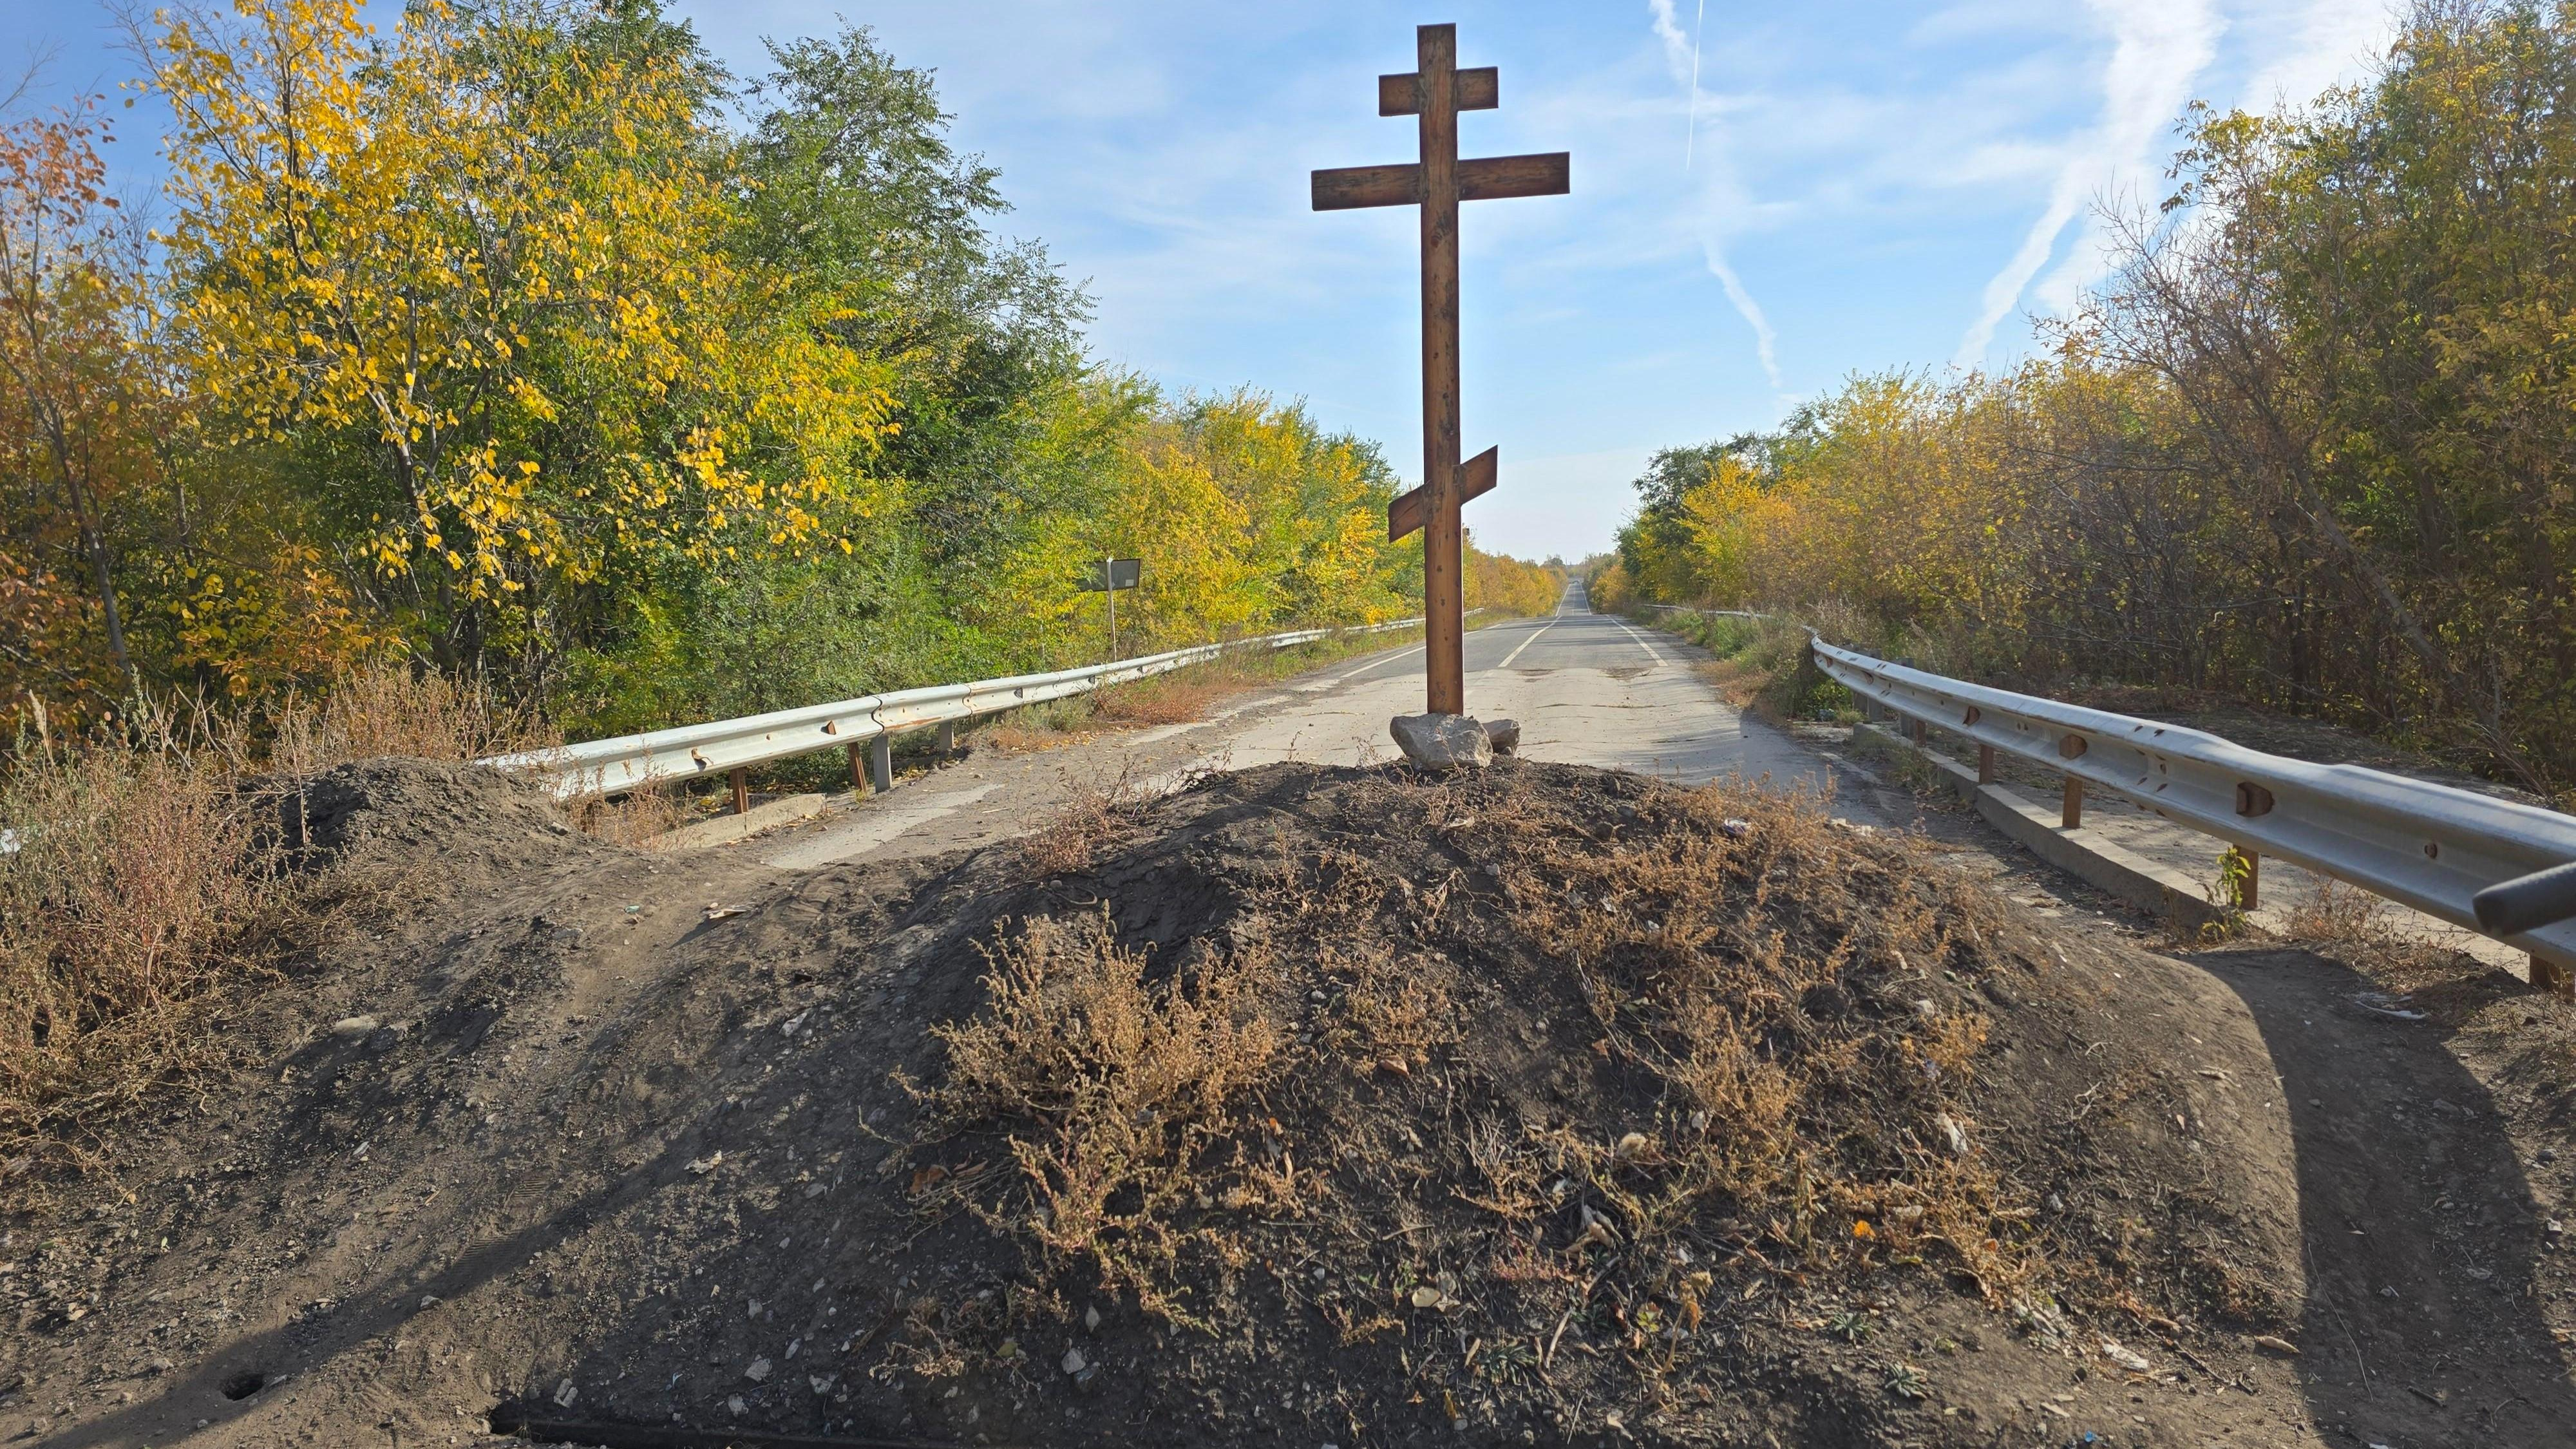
(1445, 742)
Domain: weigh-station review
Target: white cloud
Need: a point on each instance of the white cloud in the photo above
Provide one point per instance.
(1765, 341)
(2335, 41)
(1681, 57)
(2159, 48)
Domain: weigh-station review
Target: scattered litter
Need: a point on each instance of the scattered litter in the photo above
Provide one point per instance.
(1956, 1135)
(717, 912)
(701, 1166)
(2126, 1358)
(758, 1373)
(2381, 1004)
(565, 1393)
(355, 1028)
(2272, 1344)
(1734, 829)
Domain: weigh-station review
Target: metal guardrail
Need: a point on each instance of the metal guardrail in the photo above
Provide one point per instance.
(2429, 846)
(720, 747)
(1708, 613)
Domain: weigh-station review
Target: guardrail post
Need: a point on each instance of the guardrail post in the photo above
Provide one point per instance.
(858, 771)
(2551, 977)
(1985, 764)
(2071, 811)
(741, 780)
(881, 762)
(1914, 730)
(947, 738)
(2249, 893)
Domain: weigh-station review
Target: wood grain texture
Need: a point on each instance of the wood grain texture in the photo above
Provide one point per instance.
(1413, 509)
(1496, 178)
(1443, 566)
(1480, 89)
(1346, 188)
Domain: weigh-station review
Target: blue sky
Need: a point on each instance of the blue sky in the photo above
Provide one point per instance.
(1849, 187)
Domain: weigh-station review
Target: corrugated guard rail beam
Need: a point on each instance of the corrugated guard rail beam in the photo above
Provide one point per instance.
(2428, 846)
(720, 747)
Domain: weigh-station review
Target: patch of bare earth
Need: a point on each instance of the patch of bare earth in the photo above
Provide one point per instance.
(1548, 1105)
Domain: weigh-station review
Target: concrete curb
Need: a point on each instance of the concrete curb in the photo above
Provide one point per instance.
(725, 829)
(2088, 855)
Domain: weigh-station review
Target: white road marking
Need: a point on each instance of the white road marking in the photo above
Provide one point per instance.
(1641, 641)
(1525, 643)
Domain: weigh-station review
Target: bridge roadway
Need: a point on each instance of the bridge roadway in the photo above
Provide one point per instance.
(1587, 689)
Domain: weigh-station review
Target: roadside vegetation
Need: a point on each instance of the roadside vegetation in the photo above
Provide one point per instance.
(519, 338)
(2308, 446)
(509, 372)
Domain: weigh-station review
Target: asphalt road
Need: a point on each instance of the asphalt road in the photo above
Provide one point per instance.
(1587, 688)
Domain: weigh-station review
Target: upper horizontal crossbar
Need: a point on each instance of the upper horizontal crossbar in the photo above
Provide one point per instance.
(1474, 90)
(1486, 178)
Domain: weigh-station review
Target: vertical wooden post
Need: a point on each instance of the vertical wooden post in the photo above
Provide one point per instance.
(1444, 596)
(947, 738)
(1985, 764)
(858, 770)
(2250, 894)
(741, 780)
(1914, 729)
(881, 761)
(2071, 814)
(2551, 977)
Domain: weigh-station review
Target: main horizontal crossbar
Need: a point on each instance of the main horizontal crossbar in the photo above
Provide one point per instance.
(1486, 178)
(1480, 89)
(1475, 480)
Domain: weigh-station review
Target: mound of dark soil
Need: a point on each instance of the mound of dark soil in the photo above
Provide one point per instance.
(1305, 1106)
(405, 813)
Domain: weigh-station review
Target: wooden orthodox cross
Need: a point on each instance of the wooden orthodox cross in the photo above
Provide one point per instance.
(1436, 92)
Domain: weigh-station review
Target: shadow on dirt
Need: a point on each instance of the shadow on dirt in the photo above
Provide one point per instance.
(2420, 1230)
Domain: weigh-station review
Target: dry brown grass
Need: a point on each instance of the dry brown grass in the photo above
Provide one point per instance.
(1101, 814)
(131, 896)
(396, 709)
(1167, 698)
(145, 887)
(637, 818)
(1123, 1083)
(2336, 913)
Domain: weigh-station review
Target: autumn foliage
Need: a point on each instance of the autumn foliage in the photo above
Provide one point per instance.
(2309, 445)
(516, 338)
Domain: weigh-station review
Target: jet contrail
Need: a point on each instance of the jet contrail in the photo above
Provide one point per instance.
(1690, 139)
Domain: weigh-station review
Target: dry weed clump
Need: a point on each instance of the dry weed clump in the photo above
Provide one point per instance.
(637, 818)
(1099, 815)
(1122, 1085)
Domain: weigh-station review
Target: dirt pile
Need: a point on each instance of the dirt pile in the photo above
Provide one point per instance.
(1306, 1106)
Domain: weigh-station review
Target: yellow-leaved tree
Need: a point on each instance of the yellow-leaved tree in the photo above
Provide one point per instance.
(488, 245)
